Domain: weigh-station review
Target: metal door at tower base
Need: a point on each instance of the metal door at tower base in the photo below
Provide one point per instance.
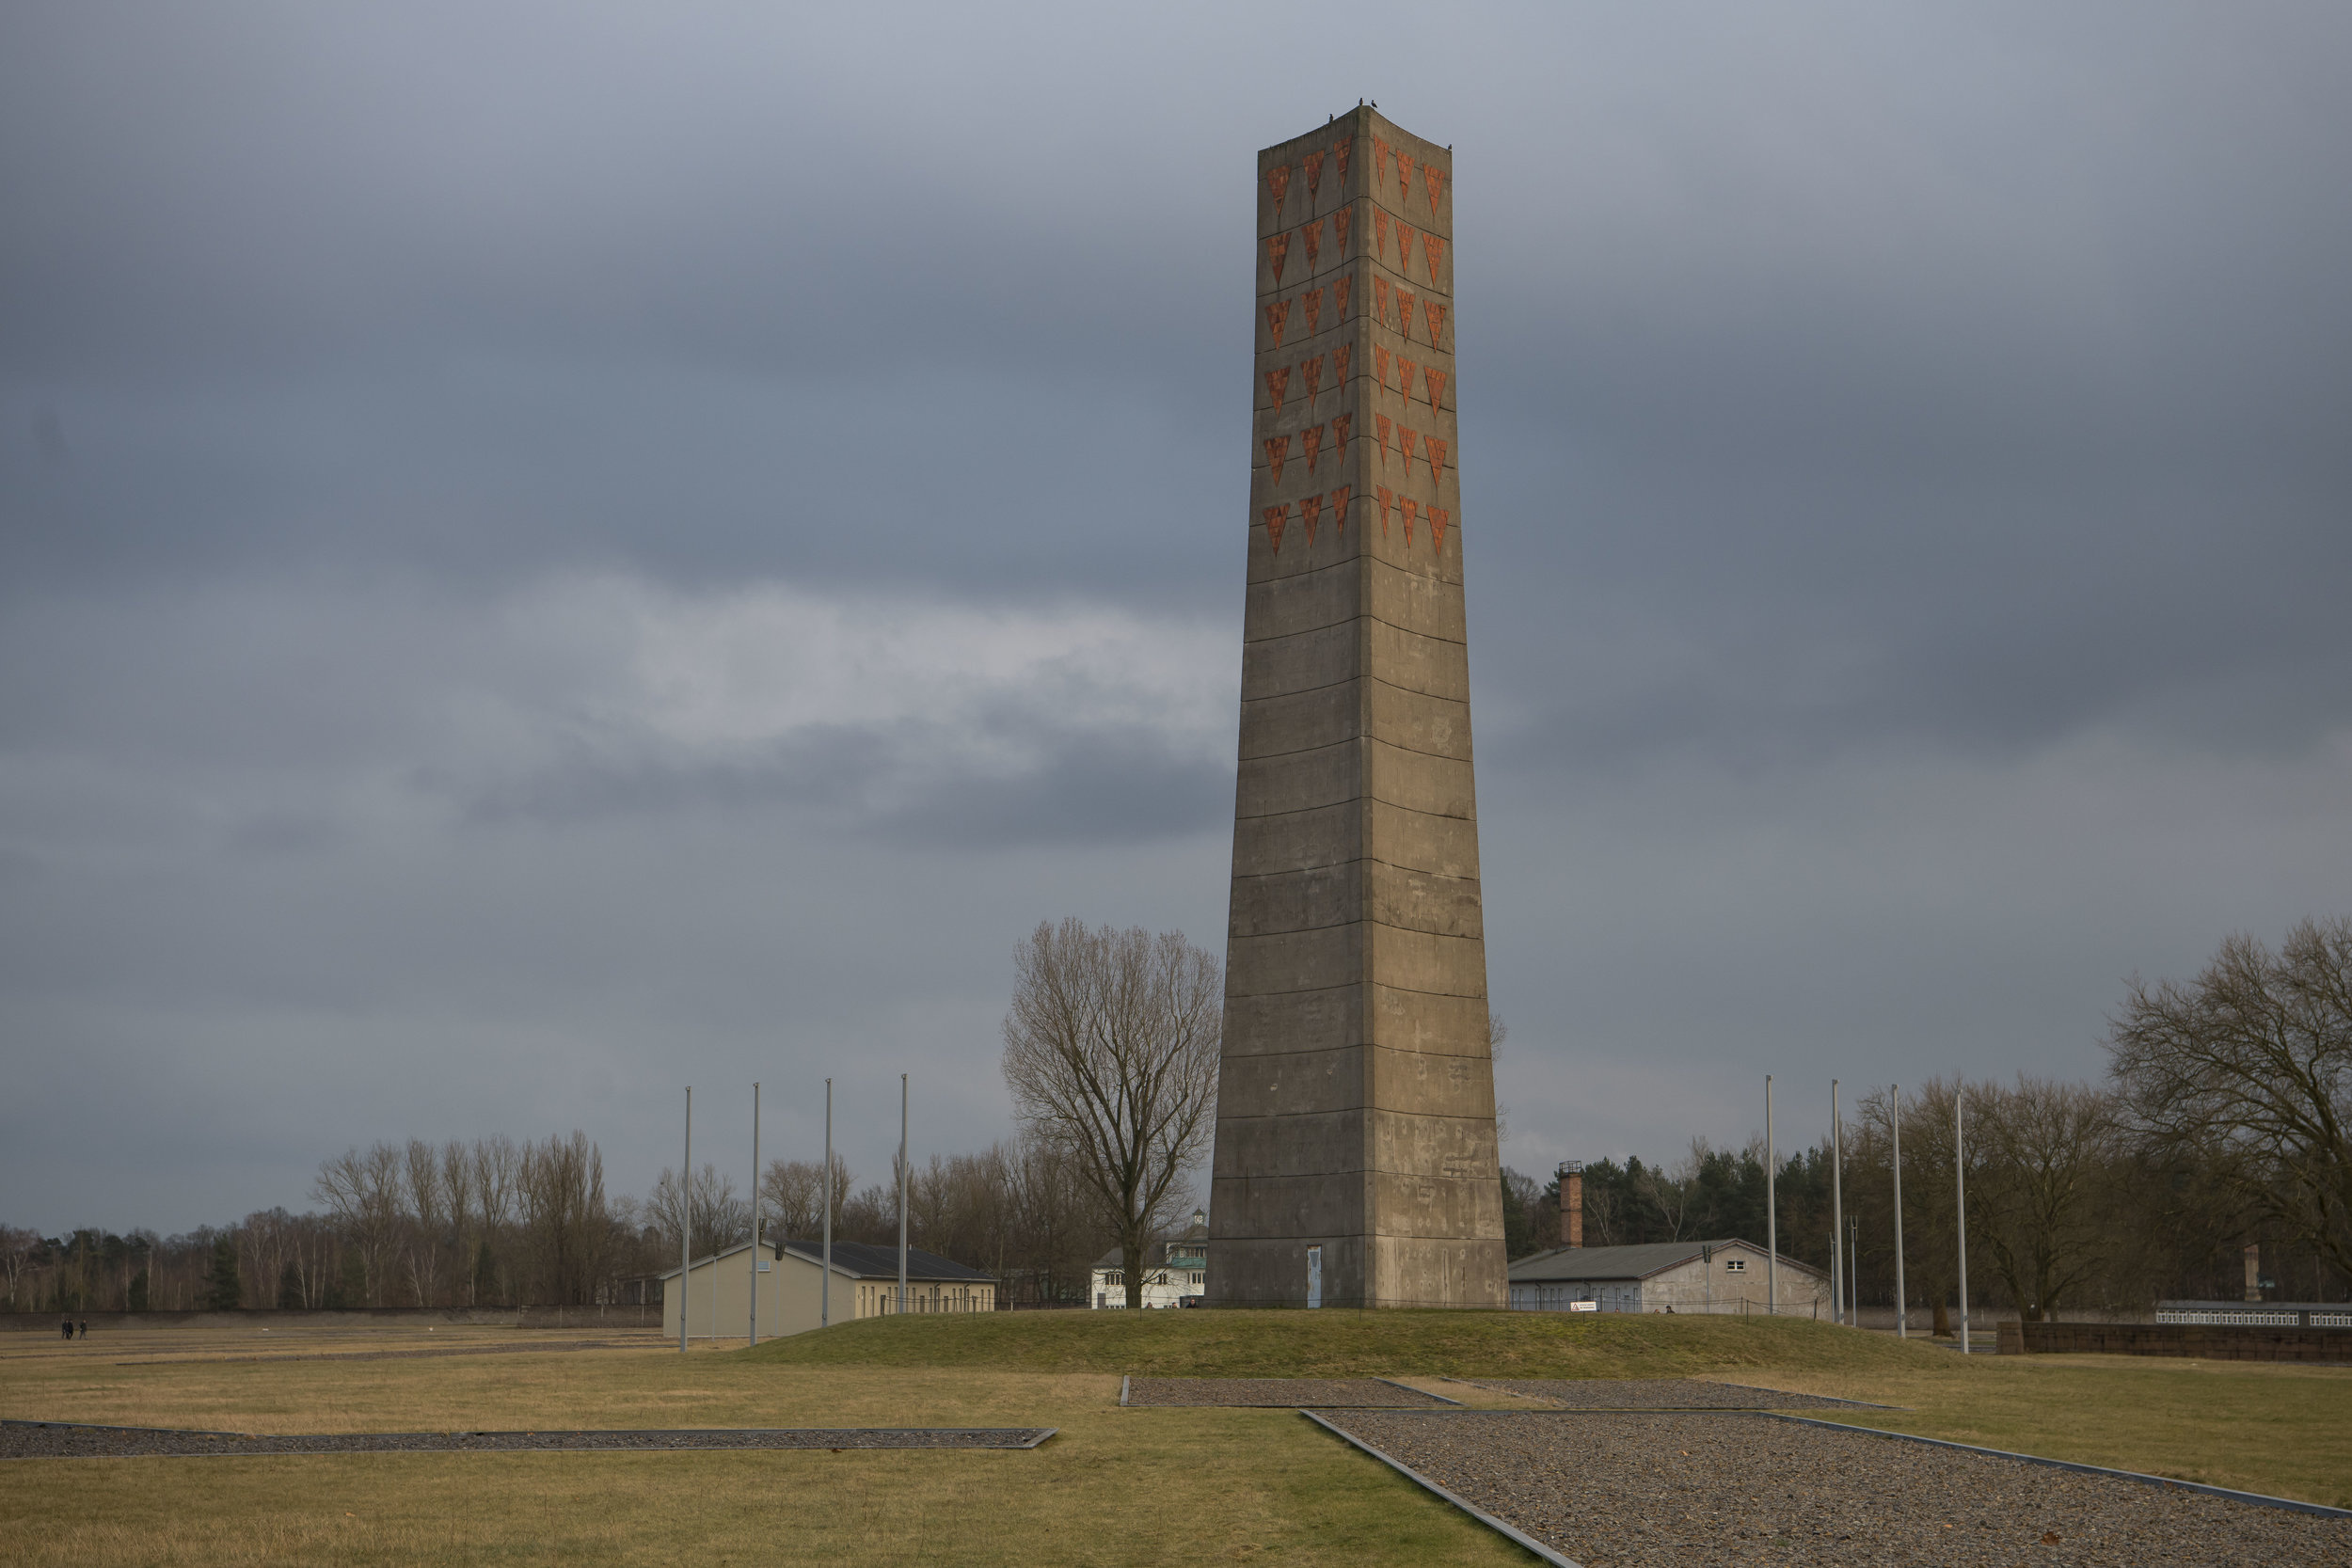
(1314, 1276)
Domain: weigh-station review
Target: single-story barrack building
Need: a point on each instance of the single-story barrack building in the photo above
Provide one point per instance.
(718, 1293)
(1664, 1276)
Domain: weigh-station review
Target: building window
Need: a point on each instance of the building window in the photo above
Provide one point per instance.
(1737, 1266)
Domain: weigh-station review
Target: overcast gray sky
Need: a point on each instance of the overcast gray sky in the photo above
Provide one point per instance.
(552, 553)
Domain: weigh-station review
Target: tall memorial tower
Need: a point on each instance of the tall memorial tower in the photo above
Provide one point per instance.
(1355, 1158)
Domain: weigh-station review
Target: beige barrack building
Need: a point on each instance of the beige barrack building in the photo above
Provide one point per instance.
(718, 1293)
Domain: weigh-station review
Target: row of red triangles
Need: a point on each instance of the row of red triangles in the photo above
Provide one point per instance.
(1277, 179)
(1277, 246)
(1278, 448)
(1277, 382)
(1277, 314)
(1311, 512)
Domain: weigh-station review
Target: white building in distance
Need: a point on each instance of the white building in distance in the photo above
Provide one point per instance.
(1179, 1277)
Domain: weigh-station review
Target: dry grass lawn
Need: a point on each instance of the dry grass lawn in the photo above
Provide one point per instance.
(1118, 1486)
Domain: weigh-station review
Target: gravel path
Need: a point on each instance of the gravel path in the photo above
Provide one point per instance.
(1659, 1393)
(1324, 1393)
(61, 1440)
(1665, 1491)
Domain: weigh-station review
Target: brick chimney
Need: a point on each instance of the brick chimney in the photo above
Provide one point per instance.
(1571, 1174)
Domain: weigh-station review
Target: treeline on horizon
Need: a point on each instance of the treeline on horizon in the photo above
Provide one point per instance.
(494, 1223)
(2226, 1121)
(2066, 1209)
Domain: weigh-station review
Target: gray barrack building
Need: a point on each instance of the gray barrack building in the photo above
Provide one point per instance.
(1663, 1277)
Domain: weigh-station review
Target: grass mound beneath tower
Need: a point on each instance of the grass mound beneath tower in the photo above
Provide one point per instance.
(1333, 1343)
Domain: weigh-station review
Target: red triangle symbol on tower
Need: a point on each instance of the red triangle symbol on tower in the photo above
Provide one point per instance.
(1278, 448)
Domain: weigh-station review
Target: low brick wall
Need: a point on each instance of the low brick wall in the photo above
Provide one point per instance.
(2201, 1342)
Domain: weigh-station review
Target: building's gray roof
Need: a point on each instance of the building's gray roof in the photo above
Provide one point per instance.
(860, 1261)
(882, 1262)
(1626, 1263)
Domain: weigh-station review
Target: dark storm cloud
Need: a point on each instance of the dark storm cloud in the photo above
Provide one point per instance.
(526, 534)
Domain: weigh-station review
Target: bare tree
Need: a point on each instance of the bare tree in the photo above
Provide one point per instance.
(1057, 1232)
(496, 1166)
(2038, 1202)
(792, 1195)
(458, 1191)
(709, 1205)
(1669, 1191)
(421, 1164)
(2249, 1069)
(363, 1192)
(567, 1227)
(19, 1247)
(1111, 1053)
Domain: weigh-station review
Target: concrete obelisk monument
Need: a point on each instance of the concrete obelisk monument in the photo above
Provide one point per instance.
(1356, 1157)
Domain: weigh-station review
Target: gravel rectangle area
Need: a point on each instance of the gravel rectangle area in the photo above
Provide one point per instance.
(66, 1440)
(1663, 1490)
(1324, 1393)
(1659, 1393)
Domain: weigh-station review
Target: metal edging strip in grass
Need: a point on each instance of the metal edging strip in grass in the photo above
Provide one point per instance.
(1657, 1409)
(1858, 1405)
(93, 1426)
(1410, 1389)
(2259, 1500)
(1041, 1435)
(1519, 1537)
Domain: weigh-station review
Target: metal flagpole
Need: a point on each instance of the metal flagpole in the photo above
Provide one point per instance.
(1772, 1216)
(1960, 1186)
(754, 1211)
(1895, 1113)
(685, 1222)
(1853, 1270)
(1837, 1279)
(902, 1192)
(1772, 1212)
(824, 1284)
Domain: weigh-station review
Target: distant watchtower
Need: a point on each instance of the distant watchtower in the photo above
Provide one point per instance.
(1355, 1109)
